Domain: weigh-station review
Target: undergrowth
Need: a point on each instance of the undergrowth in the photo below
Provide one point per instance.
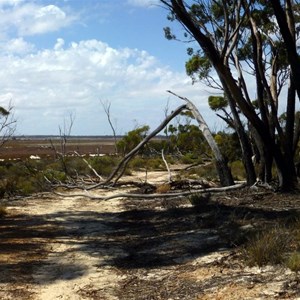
(277, 245)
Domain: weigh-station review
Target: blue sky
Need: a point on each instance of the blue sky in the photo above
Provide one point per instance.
(65, 57)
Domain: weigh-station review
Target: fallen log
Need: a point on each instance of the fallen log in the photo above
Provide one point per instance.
(156, 195)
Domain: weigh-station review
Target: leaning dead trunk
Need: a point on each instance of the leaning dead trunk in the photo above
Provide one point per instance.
(223, 170)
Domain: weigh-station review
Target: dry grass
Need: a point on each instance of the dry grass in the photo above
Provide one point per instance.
(3, 210)
(268, 247)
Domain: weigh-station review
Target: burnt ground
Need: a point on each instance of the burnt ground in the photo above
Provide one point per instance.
(67, 248)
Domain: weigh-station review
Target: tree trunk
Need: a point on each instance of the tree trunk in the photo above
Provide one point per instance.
(231, 87)
(284, 21)
(223, 170)
(245, 145)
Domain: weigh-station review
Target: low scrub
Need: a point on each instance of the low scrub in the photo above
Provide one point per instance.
(267, 247)
(143, 163)
(238, 170)
(293, 261)
(104, 165)
(278, 245)
(3, 210)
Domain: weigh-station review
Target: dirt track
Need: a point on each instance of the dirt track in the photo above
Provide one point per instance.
(75, 248)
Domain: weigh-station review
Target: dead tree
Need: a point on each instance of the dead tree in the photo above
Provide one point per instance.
(106, 107)
(221, 165)
(7, 124)
(223, 170)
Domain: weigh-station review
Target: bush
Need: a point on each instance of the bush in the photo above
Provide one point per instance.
(293, 262)
(238, 170)
(3, 210)
(199, 200)
(268, 247)
(104, 165)
(208, 172)
(138, 163)
(55, 175)
(190, 158)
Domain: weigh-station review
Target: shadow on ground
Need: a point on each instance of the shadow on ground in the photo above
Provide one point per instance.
(143, 236)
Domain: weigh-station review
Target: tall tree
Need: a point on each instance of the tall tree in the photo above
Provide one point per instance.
(229, 34)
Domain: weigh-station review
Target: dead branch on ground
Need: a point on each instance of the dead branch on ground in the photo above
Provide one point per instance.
(155, 196)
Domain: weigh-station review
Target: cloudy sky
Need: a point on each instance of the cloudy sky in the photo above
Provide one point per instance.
(63, 57)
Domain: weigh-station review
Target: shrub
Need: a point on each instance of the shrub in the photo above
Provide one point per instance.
(238, 170)
(200, 202)
(55, 175)
(26, 187)
(190, 158)
(104, 165)
(293, 262)
(208, 172)
(3, 210)
(267, 247)
(163, 188)
(138, 163)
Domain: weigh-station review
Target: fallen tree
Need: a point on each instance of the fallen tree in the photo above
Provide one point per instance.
(223, 170)
(157, 195)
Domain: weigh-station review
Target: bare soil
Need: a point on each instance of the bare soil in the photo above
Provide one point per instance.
(22, 148)
(75, 248)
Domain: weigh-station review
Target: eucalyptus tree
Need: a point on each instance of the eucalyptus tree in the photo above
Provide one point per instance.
(234, 38)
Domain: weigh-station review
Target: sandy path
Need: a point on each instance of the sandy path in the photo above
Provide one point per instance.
(74, 248)
(72, 245)
(75, 265)
(76, 255)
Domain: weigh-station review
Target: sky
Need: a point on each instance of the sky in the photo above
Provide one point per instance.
(61, 59)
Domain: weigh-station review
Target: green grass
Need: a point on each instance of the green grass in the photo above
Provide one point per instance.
(293, 261)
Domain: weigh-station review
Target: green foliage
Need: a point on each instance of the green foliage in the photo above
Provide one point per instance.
(55, 175)
(143, 163)
(187, 138)
(198, 67)
(132, 139)
(190, 158)
(238, 170)
(229, 145)
(207, 171)
(293, 261)
(217, 102)
(168, 34)
(103, 165)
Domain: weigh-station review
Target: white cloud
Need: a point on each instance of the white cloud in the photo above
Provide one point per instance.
(143, 3)
(28, 18)
(46, 85)
(17, 46)
(10, 2)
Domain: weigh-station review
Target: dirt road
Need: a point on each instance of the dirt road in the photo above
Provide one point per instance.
(75, 248)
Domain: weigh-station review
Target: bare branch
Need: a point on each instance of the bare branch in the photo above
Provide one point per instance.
(106, 107)
(7, 124)
(155, 196)
(166, 164)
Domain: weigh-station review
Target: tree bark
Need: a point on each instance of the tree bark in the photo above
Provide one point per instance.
(223, 170)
